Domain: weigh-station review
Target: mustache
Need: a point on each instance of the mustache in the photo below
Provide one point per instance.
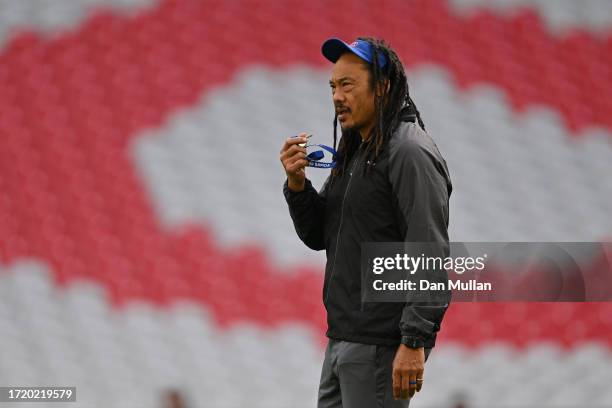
(340, 109)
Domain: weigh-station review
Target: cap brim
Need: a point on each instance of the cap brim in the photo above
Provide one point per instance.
(333, 48)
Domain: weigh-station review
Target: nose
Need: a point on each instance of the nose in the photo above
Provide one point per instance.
(337, 95)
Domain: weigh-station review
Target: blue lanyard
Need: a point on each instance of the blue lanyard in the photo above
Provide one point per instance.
(315, 157)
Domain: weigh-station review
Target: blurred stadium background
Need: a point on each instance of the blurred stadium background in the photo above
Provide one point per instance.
(144, 242)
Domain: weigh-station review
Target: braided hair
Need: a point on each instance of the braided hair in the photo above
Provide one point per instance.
(388, 107)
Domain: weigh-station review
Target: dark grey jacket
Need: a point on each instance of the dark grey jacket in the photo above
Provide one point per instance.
(404, 197)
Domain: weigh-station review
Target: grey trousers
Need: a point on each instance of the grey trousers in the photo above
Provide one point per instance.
(356, 375)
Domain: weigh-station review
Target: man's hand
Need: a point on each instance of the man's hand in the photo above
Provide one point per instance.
(408, 368)
(293, 158)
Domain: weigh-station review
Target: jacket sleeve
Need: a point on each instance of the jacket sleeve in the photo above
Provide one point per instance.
(422, 187)
(307, 210)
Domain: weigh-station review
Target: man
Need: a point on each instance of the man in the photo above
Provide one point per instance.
(390, 184)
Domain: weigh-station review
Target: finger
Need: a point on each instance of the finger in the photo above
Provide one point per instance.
(300, 164)
(290, 162)
(297, 167)
(419, 379)
(296, 149)
(412, 385)
(292, 151)
(397, 385)
(405, 386)
(291, 141)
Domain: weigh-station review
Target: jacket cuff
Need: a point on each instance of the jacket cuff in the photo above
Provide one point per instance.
(295, 197)
(421, 321)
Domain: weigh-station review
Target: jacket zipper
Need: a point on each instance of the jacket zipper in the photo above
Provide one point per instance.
(348, 185)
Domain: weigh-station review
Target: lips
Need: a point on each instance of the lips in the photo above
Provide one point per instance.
(342, 113)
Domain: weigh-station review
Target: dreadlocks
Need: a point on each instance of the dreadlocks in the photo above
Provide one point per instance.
(388, 105)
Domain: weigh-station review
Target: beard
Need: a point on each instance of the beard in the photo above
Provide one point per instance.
(352, 130)
(350, 133)
(349, 128)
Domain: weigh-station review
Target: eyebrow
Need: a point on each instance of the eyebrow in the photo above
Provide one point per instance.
(345, 78)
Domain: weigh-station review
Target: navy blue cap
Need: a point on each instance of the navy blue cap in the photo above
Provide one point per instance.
(333, 48)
